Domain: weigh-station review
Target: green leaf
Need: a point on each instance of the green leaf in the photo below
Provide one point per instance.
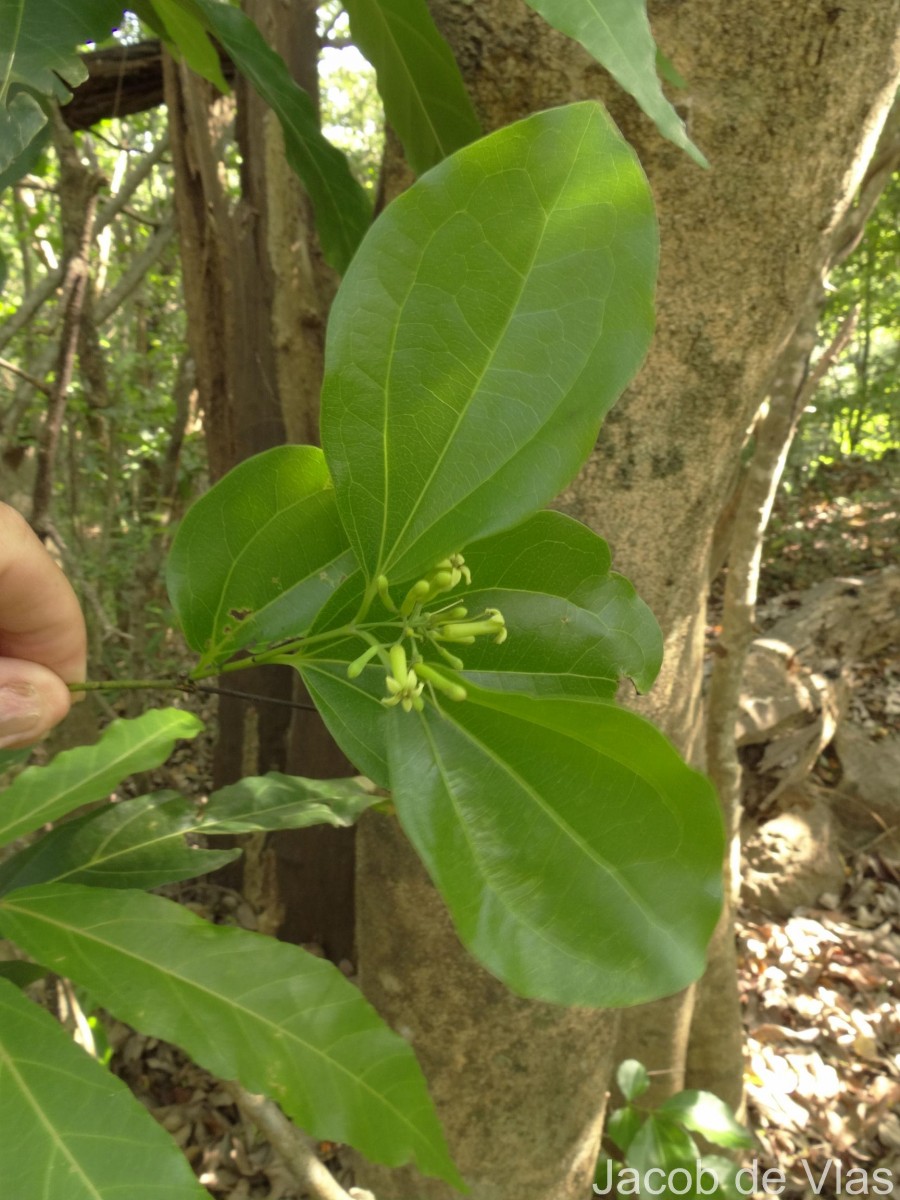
(706, 1114)
(632, 1079)
(617, 33)
(578, 855)
(622, 1126)
(136, 843)
(352, 708)
(71, 1128)
(89, 773)
(575, 627)
(245, 1007)
(139, 843)
(187, 34)
(21, 973)
(255, 559)
(725, 1173)
(28, 160)
(343, 211)
(21, 121)
(425, 99)
(659, 1144)
(668, 71)
(274, 801)
(10, 759)
(38, 51)
(510, 289)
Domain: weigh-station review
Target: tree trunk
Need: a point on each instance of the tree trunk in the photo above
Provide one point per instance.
(742, 245)
(519, 1086)
(257, 294)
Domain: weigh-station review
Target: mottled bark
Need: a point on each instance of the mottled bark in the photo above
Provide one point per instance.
(742, 245)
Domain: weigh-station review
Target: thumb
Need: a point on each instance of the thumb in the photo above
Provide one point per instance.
(32, 700)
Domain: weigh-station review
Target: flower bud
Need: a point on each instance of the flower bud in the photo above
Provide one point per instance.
(416, 594)
(399, 667)
(382, 585)
(449, 614)
(454, 691)
(358, 665)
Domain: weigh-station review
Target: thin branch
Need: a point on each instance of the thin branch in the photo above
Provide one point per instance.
(139, 267)
(297, 1150)
(35, 383)
(183, 684)
(824, 362)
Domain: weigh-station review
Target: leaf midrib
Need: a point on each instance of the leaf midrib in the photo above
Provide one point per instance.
(62, 1147)
(79, 782)
(392, 555)
(7, 76)
(279, 1032)
(564, 827)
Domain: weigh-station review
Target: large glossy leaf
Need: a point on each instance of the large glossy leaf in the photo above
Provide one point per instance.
(352, 708)
(425, 99)
(575, 627)
(38, 43)
(136, 843)
(617, 33)
(71, 1129)
(280, 1020)
(88, 773)
(578, 855)
(509, 291)
(343, 211)
(255, 559)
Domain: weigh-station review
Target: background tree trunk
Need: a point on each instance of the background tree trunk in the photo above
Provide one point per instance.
(742, 245)
(257, 293)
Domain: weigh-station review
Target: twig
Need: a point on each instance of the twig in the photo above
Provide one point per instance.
(130, 279)
(183, 684)
(295, 1147)
(35, 382)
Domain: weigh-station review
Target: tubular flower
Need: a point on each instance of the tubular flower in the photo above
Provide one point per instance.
(403, 685)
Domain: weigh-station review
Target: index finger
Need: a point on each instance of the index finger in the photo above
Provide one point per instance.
(40, 617)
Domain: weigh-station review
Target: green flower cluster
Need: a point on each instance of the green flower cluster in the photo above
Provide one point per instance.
(407, 672)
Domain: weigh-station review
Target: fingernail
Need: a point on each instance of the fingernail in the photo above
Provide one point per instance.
(20, 712)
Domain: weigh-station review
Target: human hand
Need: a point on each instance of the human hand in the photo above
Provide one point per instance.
(43, 644)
